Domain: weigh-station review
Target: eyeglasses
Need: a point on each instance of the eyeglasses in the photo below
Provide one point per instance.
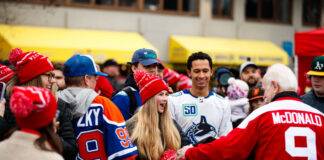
(49, 76)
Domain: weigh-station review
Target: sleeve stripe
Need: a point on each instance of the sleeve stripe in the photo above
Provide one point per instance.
(113, 123)
(278, 105)
(121, 153)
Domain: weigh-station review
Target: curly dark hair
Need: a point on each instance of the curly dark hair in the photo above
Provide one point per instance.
(200, 56)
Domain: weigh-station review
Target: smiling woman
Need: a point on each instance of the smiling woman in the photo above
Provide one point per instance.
(33, 69)
(152, 128)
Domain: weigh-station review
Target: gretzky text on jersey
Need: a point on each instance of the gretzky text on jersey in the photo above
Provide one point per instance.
(102, 135)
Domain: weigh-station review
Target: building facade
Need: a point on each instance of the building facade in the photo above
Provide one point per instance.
(157, 20)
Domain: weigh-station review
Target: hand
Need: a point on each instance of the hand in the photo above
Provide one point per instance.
(2, 107)
(181, 152)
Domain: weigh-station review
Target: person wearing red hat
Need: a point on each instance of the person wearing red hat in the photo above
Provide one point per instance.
(103, 87)
(34, 109)
(34, 69)
(152, 128)
(6, 76)
(184, 83)
(31, 69)
(171, 77)
(5, 73)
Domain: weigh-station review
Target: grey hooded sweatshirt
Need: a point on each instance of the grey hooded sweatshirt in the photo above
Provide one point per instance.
(79, 99)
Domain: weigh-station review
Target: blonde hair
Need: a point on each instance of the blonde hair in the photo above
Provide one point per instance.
(154, 132)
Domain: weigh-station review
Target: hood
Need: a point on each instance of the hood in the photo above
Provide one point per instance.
(79, 98)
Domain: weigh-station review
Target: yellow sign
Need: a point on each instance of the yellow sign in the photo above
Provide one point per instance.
(226, 51)
(60, 44)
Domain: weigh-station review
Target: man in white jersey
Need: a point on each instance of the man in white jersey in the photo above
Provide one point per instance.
(285, 128)
(201, 113)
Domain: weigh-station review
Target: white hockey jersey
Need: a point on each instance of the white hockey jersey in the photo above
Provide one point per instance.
(200, 117)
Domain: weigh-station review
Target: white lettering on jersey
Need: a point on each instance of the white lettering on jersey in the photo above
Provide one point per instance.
(86, 120)
(296, 118)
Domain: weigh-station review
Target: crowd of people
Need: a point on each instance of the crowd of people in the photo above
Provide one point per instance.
(80, 110)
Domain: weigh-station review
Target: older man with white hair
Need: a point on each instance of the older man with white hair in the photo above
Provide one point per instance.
(285, 128)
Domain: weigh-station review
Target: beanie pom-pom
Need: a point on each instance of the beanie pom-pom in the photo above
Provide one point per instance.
(20, 105)
(14, 55)
(231, 81)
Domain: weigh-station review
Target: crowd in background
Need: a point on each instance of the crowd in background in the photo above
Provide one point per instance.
(80, 110)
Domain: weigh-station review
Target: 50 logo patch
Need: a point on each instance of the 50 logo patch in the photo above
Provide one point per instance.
(190, 109)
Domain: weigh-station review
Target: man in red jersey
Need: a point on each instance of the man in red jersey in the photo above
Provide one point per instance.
(285, 128)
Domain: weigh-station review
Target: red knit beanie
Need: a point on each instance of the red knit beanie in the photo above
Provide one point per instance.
(184, 83)
(29, 65)
(171, 76)
(5, 73)
(33, 107)
(149, 85)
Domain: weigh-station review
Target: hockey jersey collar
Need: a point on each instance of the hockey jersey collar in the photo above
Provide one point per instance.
(286, 95)
(187, 91)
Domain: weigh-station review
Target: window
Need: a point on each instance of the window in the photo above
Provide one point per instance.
(312, 12)
(105, 3)
(152, 5)
(222, 8)
(46, 2)
(278, 11)
(183, 7)
(127, 3)
(179, 7)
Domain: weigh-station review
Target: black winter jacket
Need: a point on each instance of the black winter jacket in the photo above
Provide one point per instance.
(65, 130)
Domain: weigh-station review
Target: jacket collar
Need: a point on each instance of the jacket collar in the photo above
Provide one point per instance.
(286, 95)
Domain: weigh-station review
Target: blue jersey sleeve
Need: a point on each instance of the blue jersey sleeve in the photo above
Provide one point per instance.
(117, 141)
(122, 101)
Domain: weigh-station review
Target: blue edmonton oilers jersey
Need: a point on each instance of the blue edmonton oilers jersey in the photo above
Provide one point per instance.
(101, 134)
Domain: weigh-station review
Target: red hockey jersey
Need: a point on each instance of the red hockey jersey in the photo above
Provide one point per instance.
(283, 129)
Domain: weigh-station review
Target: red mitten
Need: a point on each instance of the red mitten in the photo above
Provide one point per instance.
(169, 154)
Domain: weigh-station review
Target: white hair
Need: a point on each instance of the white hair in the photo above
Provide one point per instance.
(283, 75)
